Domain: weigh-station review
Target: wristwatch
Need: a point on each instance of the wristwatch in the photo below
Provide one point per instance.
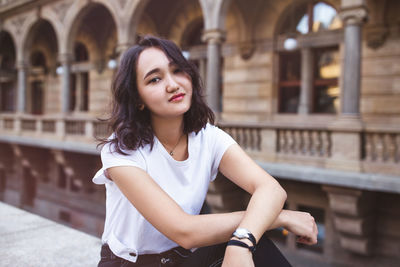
(242, 233)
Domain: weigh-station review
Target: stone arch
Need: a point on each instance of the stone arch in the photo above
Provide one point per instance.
(33, 42)
(187, 34)
(8, 75)
(19, 27)
(286, 9)
(189, 16)
(6, 34)
(78, 11)
(146, 26)
(135, 10)
(236, 28)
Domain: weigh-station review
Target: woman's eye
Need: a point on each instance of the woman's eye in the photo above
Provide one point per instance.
(154, 80)
(177, 70)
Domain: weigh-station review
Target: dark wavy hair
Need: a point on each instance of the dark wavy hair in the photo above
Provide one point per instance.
(132, 126)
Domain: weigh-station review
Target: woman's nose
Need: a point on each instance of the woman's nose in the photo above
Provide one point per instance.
(171, 85)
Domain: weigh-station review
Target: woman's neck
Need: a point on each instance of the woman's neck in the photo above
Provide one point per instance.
(168, 131)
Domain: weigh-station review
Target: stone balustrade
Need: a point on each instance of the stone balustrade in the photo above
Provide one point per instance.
(52, 127)
(304, 142)
(247, 137)
(313, 145)
(382, 147)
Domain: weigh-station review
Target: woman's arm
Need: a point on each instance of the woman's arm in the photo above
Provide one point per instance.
(264, 209)
(167, 216)
(268, 197)
(187, 230)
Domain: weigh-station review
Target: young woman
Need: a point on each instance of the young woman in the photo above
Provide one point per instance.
(158, 163)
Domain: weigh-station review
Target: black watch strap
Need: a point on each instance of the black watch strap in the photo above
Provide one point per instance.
(250, 237)
(239, 243)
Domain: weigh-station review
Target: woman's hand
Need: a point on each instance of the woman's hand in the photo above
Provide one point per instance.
(237, 257)
(301, 224)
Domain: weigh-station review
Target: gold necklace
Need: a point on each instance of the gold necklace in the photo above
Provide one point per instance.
(171, 152)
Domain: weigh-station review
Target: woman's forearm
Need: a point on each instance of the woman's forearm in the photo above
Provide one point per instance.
(209, 229)
(264, 208)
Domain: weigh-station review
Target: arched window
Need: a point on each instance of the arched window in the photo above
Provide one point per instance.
(8, 73)
(37, 82)
(309, 72)
(79, 96)
(80, 52)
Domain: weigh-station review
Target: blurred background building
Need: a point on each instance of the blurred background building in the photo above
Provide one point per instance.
(311, 90)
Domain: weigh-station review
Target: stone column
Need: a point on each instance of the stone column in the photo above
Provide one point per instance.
(353, 18)
(346, 130)
(306, 81)
(65, 60)
(214, 38)
(22, 85)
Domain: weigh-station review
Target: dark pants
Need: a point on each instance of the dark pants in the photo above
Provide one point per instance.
(266, 255)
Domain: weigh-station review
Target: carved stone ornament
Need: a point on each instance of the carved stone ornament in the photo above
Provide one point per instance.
(354, 15)
(246, 50)
(376, 35)
(61, 10)
(18, 23)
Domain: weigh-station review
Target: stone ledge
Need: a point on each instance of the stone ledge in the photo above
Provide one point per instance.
(79, 147)
(30, 240)
(364, 181)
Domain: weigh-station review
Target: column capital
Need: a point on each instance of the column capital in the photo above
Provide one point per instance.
(215, 36)
(354, 15)
(21, 65)
(65, 58)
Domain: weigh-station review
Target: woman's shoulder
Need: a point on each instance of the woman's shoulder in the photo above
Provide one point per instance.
(113, 148)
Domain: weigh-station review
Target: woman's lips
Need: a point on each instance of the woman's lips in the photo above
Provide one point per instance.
(176, 97)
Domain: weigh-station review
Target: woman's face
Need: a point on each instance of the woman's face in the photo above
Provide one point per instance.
(163, 87)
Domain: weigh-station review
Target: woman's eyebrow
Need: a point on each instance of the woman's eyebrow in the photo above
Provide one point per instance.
(151, 72)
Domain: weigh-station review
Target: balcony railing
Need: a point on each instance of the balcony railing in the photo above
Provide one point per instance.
(61, 128)
(377, 149)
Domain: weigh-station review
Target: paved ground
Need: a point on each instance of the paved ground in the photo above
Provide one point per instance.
(28, 240)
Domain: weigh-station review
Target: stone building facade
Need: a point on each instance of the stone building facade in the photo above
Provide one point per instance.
(310, 89)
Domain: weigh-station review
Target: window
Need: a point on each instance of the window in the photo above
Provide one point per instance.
(79, 90)
(321, 61)
(37, 97)
(326, 74)
(8, 74)
(319, 17)
(289, 82)
(7, 96)
(37, 82)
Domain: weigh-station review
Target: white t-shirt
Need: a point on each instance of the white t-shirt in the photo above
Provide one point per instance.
(126, 231)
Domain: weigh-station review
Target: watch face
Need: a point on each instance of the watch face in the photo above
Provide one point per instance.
(241, 233)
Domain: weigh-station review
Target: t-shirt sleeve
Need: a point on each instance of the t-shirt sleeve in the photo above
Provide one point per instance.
(220, 141)
(111, 158)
